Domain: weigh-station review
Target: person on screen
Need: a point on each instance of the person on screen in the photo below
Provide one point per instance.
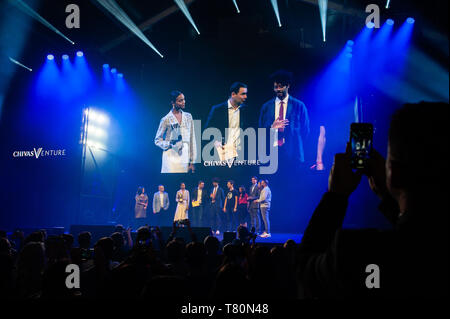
(160, 202)
(182, 199)
(176, 137)
(140, 209)
(231, 114)
(287, 118)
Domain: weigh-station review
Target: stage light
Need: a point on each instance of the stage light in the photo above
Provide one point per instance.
(237, 8)
(79, 53)
(370, 25)
(390, 22)
(184, 9)
(120, 75)
(65, 57)
(350, 43)
(323, 4)
(410, 20)
(98, 117)
(96, 132)
(20, 64)
(106, 66)
(50, 57)
(349, 55)
(114, 9)
(113, 70)
(277, 12)
(388, 2)
(28, 10)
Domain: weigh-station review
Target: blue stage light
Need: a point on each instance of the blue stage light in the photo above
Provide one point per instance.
(350, 43)
(80, 53)
(410, 20)
(106, 66)
(50, 57)
(390, 22)
(370, 25)
(113, 70)
(120, 75)
(349, 55)
(65, 57)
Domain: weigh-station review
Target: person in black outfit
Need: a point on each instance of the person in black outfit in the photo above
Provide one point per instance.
(215, 213)
(198, 200)
(230, 208)
(411, 260)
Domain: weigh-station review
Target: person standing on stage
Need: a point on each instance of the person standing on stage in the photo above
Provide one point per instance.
(264, 200)
(176, 137)
(242, 206)
(215, 206)
(199, 199)
(253, 208)
(160, 202)
(287, 118)
(182, 199)
(140, 209)
(230, 207)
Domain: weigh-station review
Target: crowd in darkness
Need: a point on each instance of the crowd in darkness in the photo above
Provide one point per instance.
(151, 266)
(330, 262)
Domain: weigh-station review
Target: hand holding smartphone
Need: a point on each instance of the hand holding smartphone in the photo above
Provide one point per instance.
(361, 139)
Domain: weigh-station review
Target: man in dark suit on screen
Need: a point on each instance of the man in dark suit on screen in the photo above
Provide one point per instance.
(233, 115)
(287, 118)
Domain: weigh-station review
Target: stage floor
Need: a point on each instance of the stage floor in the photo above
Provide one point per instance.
(276, 238)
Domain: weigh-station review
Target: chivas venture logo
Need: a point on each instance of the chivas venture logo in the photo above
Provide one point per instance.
(40, 152)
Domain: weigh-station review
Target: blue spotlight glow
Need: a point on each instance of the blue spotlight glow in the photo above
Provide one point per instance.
(410, 20)
(80, 53)
(65, 57)
(348, 55)
(113, 70)
(350, 43)
(120, 75)
(50, 57)
(106, 66)
(370, 25)
(390, 22)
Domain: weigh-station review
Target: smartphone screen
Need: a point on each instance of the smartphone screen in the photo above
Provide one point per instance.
(361, 135)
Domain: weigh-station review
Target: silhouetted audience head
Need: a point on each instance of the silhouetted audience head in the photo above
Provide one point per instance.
(56, 249)
(417, 150)
(212, 245)
(37, 236)
(175, 251)
(231, 282)
(84, 239)
(195, 254)
(143, 234)
(107, 247)
(68, 240)
(118, 240)
(30, 267)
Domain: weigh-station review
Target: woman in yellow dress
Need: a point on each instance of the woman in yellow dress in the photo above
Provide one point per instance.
(182, 199)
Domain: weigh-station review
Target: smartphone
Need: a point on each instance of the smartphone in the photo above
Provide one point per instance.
(361, 138)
